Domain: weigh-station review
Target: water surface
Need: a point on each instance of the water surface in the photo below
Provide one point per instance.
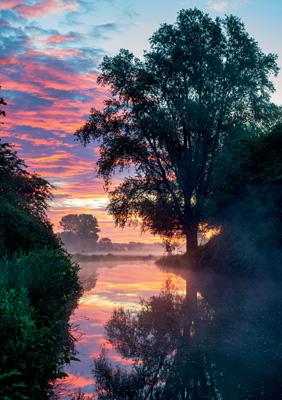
(108, 285)
(232, 352)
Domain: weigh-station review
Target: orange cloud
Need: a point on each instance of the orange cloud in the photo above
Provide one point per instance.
(39, 141)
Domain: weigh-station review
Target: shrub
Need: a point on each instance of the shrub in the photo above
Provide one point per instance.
(37, 294)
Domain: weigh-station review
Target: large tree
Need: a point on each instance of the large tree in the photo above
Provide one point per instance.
(169, 114)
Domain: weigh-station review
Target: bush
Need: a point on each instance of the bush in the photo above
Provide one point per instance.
(37, 294)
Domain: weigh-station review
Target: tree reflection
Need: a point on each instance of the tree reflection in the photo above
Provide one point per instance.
(225, 345)
(168, 355)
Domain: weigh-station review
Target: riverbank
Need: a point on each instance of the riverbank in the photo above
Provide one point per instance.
(227, 256)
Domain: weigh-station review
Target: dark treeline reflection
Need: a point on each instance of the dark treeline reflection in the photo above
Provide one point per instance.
(223, 343)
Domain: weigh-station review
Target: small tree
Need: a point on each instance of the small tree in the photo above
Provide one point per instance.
(105, 241)
(83, 226)
(169, 116)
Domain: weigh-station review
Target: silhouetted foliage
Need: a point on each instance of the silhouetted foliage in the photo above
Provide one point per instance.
(84, 225)
(246, 201)
(105, 241)
(23, 204)
(2, 103)
(105, 244)
(39, 286)
(80, 232)
(170, 114)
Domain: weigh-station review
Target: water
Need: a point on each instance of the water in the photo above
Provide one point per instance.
(108, 285)
(230, 349)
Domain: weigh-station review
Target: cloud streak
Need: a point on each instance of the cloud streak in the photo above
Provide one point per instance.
(224, 5)
(39, 8)
(49, 80)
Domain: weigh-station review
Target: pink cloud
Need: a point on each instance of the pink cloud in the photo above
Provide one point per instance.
(78, 381)
(9, 3)
(60, 38)
(59, 95)
(40, 8)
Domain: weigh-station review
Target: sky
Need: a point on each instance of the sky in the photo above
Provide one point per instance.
(50, 51)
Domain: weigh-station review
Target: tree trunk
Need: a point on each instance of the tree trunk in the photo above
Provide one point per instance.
(192, 240)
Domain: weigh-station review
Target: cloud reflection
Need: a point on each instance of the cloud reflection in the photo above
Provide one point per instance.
(118, 285)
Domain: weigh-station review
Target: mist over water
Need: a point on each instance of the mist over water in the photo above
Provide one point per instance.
(238, 329)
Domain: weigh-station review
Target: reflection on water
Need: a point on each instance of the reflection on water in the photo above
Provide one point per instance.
(107, 286)
(222, 344)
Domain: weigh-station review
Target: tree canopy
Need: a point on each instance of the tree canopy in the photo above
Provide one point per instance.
(169, 114)
(246, 202)
(82, 225)
(23, 205)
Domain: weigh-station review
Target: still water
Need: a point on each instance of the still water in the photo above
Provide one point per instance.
(221, 341)
(108, 285)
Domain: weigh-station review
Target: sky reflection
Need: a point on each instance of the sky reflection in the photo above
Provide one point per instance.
(120, 284)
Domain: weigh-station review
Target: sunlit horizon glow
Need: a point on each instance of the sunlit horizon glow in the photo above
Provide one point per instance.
(50, 53)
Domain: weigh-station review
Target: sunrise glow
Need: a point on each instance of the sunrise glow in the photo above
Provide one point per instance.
(49, 65)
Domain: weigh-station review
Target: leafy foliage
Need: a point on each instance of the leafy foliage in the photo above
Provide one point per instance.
(169, 115)
(38, 292)
(23, 203)
(80, 232)
(2, 103)
(39, 286)
(246, 201)
(83, 225)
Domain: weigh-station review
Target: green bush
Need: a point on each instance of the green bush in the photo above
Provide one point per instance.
(37, 294)
(21, 230)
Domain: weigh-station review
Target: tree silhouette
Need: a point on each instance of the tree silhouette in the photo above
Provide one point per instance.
(82, 225)
(24, 199)
(168, 362)
(169, 115)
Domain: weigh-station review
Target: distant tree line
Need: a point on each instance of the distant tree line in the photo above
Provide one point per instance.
(80, 234)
